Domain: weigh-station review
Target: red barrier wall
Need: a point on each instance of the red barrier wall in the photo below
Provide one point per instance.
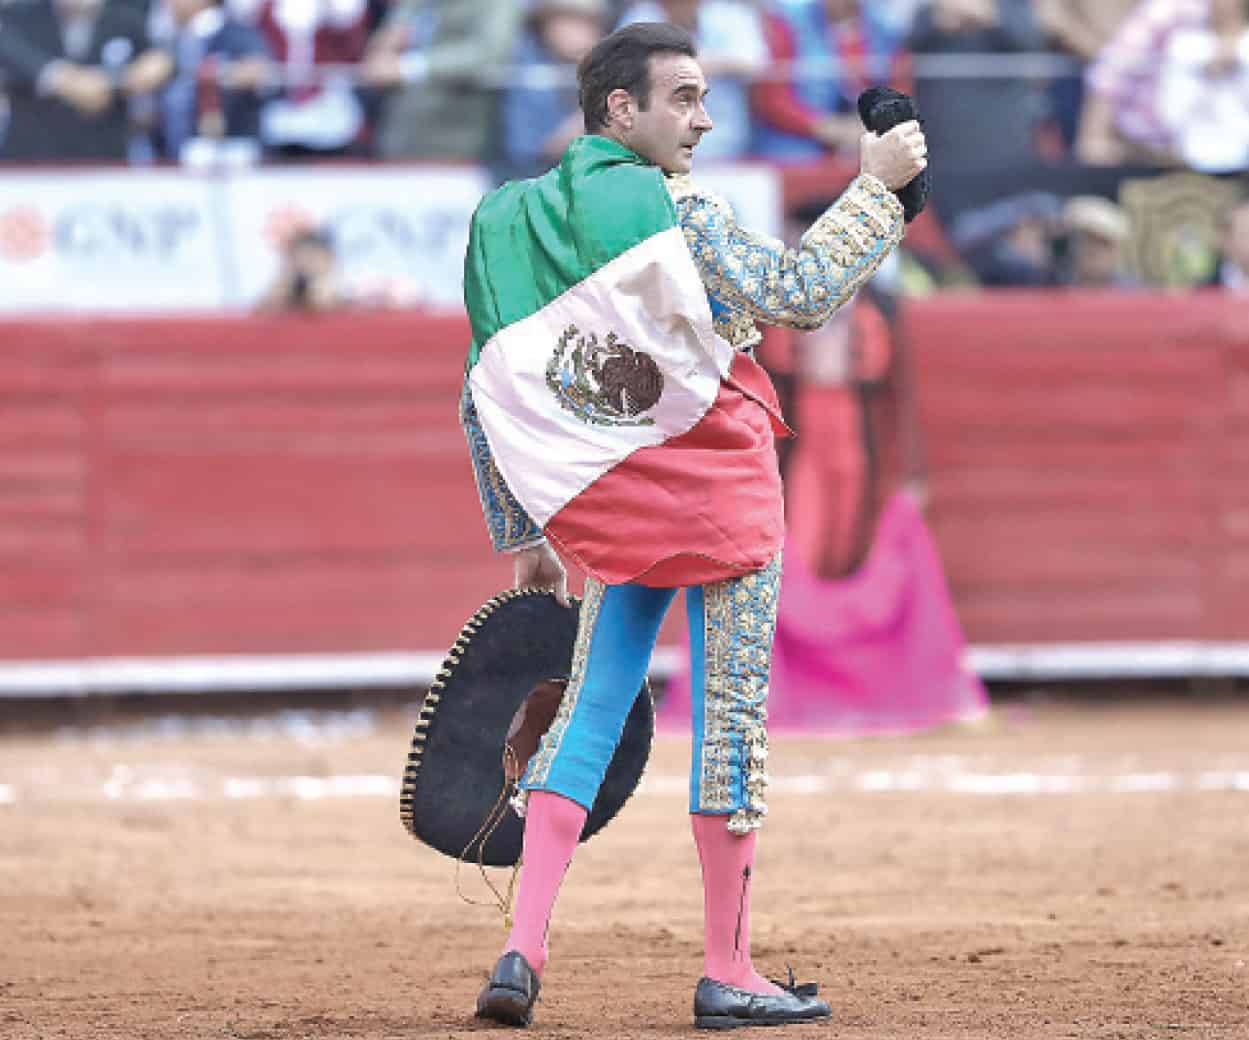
(235, 486)
(1090, 462)
(265, 485)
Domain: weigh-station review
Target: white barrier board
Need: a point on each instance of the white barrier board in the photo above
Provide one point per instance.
(115, 240)
(404, 228)
(165, 241)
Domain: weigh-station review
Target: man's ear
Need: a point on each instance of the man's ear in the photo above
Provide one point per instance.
(620, 108)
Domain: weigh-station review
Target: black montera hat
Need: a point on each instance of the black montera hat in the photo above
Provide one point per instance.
(455, 787)
(881, 109)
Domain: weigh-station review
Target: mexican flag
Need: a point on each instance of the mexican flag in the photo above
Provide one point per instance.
(592, 333)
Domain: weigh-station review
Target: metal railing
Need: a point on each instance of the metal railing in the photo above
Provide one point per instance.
(1041, 67)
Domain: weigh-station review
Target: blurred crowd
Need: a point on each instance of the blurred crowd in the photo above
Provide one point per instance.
(1036, 110)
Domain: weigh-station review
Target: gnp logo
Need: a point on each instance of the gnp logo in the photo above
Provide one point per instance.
(107, 233)
(24, 234)
(390, 236)
(420, 250)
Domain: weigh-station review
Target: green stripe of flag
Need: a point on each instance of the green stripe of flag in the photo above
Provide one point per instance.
(533, 240)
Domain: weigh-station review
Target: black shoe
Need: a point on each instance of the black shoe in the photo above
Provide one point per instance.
(720, 1006)
(510, 994)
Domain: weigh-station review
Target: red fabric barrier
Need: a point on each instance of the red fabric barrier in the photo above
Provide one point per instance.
(266, 485)
(236, 485)
(1089, 462)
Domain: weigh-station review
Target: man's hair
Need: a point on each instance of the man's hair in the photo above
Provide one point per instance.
(621, 61)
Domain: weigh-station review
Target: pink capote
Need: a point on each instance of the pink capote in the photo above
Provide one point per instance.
(879, 651)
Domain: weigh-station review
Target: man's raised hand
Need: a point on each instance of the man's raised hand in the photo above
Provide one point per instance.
(895, 157)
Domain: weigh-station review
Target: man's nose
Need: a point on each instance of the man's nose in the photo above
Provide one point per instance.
(702, 120)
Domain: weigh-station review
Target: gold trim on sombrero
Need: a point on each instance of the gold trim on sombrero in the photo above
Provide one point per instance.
(429, 705)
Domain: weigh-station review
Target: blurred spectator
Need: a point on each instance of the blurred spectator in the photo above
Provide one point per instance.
(1011, 242)
(71, 68)
(1172, 85)
(731, 51)
(1233, 267)
(801, 115)
(867, 639)
(223, 69)
(1204, 94)
(1097, 231)
(833, 484)
(900, 14)
(377, 10)
(1080, 30)
(439, 58)
(986, 123)
(318, 112)
(540, 120)
(308, 278)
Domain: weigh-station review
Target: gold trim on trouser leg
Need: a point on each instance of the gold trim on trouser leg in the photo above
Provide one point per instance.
(739, 622)
(544, 757)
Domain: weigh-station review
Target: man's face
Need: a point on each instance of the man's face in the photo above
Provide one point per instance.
(1096, 259)
(1030, 239)
(841, 10)
(569, 36)
(1229, 17)
(670, 128)
(78, 8)
(312, 259)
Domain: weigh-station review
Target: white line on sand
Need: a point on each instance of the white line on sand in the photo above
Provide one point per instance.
(126, 784)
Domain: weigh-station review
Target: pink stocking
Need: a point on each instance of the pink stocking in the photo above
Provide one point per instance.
(726, 860)
(552, 827)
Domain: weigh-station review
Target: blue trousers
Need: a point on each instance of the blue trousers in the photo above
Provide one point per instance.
(731, 625)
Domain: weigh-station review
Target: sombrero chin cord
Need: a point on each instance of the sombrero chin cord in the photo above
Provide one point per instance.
(491, 823)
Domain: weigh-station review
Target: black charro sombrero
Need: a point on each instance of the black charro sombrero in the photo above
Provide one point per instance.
(455, 784)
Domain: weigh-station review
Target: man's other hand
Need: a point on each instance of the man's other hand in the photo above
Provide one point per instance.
(896, 157)
(381, 69)
(252, 73)
(147, 73)
(540, 568)
(87, 90)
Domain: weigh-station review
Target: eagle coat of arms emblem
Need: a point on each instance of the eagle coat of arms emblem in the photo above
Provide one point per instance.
(604, 383)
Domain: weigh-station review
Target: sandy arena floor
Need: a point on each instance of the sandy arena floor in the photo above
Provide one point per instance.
(1069, 871)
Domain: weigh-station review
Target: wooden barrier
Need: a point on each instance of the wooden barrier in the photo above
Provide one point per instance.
(244, 485)
(1090, 462)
